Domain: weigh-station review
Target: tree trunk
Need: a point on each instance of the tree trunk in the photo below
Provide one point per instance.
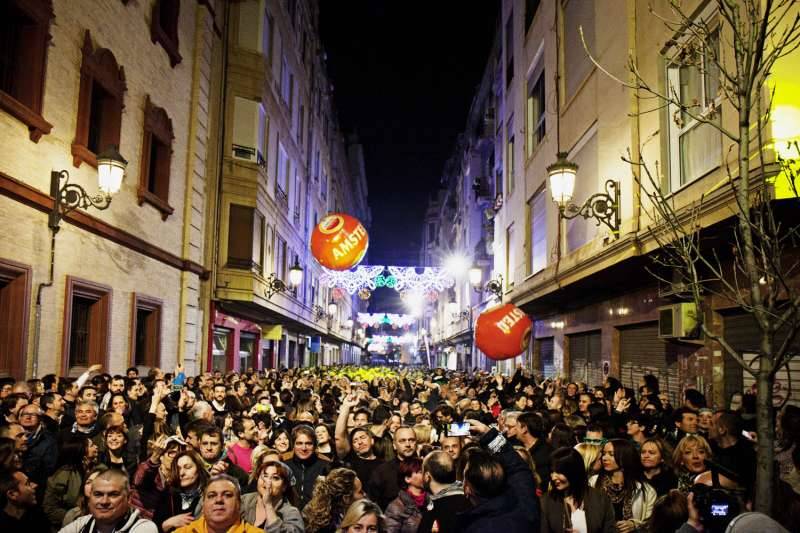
(766, 438)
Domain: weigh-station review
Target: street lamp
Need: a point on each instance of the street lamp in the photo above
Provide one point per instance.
(475, 276)
(603, 206)
(275, 284)
(70, 196)
(332, 307)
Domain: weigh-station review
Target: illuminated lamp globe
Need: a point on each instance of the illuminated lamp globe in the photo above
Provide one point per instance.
(332, 307)
(295, 274)
(110, 170)
(562, 179)
(457, 265)
(339, 241)
(503, 332)
(475, 276)
(349, 323)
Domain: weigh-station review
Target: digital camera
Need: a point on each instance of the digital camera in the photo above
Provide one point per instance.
(716, 506)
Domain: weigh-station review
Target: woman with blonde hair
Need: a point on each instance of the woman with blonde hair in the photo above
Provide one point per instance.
(332, 495)
(591, 457)
(423, 432)
(362, 515)
(689, 460)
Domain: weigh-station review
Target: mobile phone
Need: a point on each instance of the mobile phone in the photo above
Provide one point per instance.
(746, 434)
(458, 430)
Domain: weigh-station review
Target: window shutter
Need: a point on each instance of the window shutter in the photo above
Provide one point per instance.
(247, 129)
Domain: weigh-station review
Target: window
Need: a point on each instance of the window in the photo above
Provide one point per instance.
(219, 350)
(535, 118)
(510, 155)
(298, 194)
(509, 49)
(301, 119)
(431, 232)
(99, 104)
(156, 159)
(531, 6)
(24, 38)
(244, 232)
(248, 343)
(280, 256)
(164, 28)
(538, 237)
(511, 259)
(259, 238)
(87, 325)
(284, 167)
(250, 131)
(15, 290)
(577, 66)
(695, 148)
(323, 189)
(286, 87)
(146, 333)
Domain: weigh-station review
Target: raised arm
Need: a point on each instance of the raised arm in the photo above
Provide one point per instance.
(340, 434)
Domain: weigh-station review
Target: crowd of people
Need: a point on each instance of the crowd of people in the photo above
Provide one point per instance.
(357, 450)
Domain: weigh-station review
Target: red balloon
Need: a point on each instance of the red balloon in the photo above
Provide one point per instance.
(339, 241)
(503, 332)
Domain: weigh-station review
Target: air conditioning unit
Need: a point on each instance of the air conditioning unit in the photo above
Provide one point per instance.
(677, 321)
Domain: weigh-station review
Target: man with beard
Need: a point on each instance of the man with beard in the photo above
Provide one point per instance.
(52, 404)
(18, 510)
(531, 434)
(447, 494)
(356, 448)
(117, 386)
(383, 484)
(219, 405)
(213, 453)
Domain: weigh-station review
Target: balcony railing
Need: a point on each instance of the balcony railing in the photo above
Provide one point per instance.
(281, 197)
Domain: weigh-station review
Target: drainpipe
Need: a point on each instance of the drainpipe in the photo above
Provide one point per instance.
(636, 155)
(33, 365)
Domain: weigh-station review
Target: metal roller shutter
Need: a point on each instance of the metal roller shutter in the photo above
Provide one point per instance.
(586, 358)
(642, 352)
(546, 356)
(742, 333)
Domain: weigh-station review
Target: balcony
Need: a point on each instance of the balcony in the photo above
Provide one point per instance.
(281, 198)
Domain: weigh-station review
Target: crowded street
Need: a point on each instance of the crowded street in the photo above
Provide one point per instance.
(463, 266)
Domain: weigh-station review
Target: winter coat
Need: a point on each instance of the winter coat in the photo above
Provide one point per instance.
(62, 493)
(134, 524)
(596, 505)
(148, 488)
(443, 508)
(289, 518)
(644, 497)
(41, 458)
(516, 510)
(199, 526)
(402, 514)
(306, 473)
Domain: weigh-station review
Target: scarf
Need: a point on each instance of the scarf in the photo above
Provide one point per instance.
(616, 493)
(188, 497)
(85, 431)
(419, 501)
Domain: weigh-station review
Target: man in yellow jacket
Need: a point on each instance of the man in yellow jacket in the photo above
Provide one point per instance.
(221, 509)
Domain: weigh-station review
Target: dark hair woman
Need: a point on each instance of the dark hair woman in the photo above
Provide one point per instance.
(570, 502)
(273, 506)
(116, 454)
(77, 455)
(622, 480)
(185, 500)
(404, 513)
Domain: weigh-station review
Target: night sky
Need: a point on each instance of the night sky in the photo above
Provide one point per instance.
(404, 74)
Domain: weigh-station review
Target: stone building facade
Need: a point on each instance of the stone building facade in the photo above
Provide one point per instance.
(121, 286)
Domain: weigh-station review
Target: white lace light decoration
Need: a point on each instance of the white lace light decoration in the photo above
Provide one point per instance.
(431, 278)
(407, 338)
(351, 280)
(393, 319)
(400, 279)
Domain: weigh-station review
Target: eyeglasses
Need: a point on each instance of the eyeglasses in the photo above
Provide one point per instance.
(28, 415)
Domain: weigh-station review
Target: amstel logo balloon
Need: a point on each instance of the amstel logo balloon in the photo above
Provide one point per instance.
(339, 241)
(503, 332)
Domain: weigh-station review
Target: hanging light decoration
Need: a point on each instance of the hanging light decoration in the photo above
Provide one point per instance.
(364, 293)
